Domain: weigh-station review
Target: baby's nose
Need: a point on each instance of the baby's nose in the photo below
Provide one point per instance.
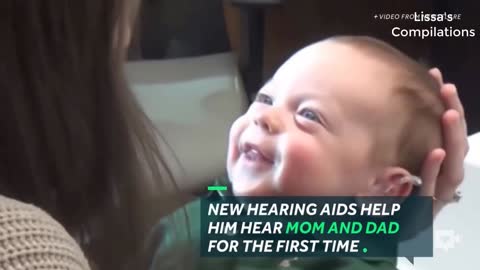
(268, 120)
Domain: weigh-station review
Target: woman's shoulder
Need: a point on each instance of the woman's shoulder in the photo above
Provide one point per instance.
(30, 239)
(19, 216)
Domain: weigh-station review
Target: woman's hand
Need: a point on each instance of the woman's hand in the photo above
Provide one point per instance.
(443, 169)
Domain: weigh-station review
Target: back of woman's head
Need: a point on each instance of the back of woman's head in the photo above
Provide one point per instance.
(71, 131)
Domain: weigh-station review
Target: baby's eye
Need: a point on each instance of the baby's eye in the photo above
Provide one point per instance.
(310, 115)
(262, 98)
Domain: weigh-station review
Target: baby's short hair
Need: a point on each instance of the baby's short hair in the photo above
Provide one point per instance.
(418, 127)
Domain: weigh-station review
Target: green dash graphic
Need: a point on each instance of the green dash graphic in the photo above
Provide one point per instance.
(217, 188)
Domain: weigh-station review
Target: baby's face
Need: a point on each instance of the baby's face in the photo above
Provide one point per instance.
(309, 132)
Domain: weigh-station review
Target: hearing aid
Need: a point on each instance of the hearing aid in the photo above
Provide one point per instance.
(413, 179)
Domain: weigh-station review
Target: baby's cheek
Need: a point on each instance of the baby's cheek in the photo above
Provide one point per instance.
(302, 166)
(234, 136)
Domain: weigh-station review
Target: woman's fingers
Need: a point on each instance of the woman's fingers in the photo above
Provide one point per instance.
(452, 168)
(435, 72)
(430, 171)
(449, 94)
(451, 99)
(443, 171)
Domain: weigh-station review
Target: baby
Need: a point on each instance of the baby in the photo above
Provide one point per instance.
(348, 116)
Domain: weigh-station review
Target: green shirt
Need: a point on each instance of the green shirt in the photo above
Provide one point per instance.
(180, 249)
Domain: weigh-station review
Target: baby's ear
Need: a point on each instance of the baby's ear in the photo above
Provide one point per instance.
(394, 181)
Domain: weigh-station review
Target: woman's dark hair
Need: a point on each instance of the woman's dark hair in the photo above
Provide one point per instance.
(73, 140)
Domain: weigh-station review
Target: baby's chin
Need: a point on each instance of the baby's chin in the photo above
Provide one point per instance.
(246, 187)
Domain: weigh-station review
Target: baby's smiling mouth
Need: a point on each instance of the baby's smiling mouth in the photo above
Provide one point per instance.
(253, 153)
